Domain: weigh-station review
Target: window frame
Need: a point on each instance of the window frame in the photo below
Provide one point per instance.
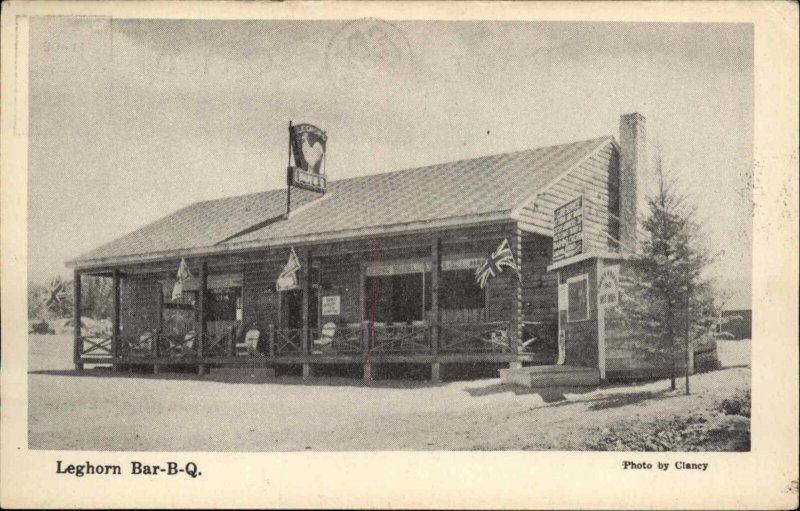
(573, 280)
(484, 290)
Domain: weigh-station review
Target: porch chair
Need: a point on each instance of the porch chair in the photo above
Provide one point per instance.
(180, 347)
(250, 345)
(499, 337)
(326, 337)
(145, 345)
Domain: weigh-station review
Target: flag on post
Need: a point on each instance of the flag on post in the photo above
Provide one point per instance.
(183, 275)
(502, 257)
(288, 278)
(56, 294)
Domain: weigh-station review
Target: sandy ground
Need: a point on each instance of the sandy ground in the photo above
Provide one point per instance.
(101, 410)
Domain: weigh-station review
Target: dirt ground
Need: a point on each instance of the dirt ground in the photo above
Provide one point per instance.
(102, 410)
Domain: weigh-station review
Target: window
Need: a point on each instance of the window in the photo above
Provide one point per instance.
(459, 290)
(578, 298)
(224, 304)
(394, 298)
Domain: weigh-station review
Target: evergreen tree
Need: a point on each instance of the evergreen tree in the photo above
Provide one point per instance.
(668, 300)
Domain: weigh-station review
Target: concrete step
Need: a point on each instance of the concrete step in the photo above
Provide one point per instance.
(551, 376)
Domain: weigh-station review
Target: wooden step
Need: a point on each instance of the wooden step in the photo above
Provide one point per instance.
(551, 376)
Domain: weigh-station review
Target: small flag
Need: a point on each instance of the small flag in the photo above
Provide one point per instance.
(494, 264)
(288, 278)
(183, 275)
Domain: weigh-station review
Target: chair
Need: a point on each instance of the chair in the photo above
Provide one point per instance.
(250, 345)
(326, 336)
(179, 347)
(499, 337)
(145, 345)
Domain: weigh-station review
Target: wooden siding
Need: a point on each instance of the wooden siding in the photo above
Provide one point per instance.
(597, 179)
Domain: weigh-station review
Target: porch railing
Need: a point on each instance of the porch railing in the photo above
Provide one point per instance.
(342, 340)
(217, 345)
(96, 346)
(399, 338)
(288, 341)
(347, 339)
(144, 345)
(475, 338)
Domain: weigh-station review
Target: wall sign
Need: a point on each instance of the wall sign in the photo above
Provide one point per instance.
(608, 287)
(402, 268)
(331, 305)
(568, 230)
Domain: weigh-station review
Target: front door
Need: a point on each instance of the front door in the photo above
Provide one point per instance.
(293, 309)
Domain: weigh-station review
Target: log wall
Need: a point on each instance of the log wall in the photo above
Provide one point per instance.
(539, 287)
(581, 336)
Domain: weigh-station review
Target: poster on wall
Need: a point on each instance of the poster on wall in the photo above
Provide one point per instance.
(608, 287)
(568, 230)
(331, 305)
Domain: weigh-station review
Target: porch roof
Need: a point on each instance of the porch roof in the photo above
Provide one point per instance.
(464, 192)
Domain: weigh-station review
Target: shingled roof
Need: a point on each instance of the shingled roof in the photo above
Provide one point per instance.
(467, 191)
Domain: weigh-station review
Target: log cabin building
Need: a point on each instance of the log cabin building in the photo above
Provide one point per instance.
(387, 268)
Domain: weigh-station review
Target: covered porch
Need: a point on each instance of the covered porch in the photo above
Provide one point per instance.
(409, 298)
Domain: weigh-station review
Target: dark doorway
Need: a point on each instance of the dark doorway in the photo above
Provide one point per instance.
(293, 309)
(395, 298)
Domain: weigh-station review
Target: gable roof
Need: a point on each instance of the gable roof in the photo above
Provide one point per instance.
(480, 189)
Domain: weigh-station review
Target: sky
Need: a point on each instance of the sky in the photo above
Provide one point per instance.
(133, 119)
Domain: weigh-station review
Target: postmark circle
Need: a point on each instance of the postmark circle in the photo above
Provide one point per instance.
(365, 49)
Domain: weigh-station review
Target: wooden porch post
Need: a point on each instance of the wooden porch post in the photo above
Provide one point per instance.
(366, 342)
(201, 306)
(306, 304)
(115, 316)
(271, 331)
(76, 315)
(160, 305)
(436, 271)
(157, 336)
(516, 308)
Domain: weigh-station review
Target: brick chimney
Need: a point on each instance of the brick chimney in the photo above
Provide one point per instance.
(632, 176)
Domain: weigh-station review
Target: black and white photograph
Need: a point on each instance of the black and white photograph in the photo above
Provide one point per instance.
(378, 234)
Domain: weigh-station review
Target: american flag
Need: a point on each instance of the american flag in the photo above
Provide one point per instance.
(502, 257)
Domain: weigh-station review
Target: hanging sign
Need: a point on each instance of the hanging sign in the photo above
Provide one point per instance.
(608, 287)
(288, 278)
(568, 230)
(307, 145)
